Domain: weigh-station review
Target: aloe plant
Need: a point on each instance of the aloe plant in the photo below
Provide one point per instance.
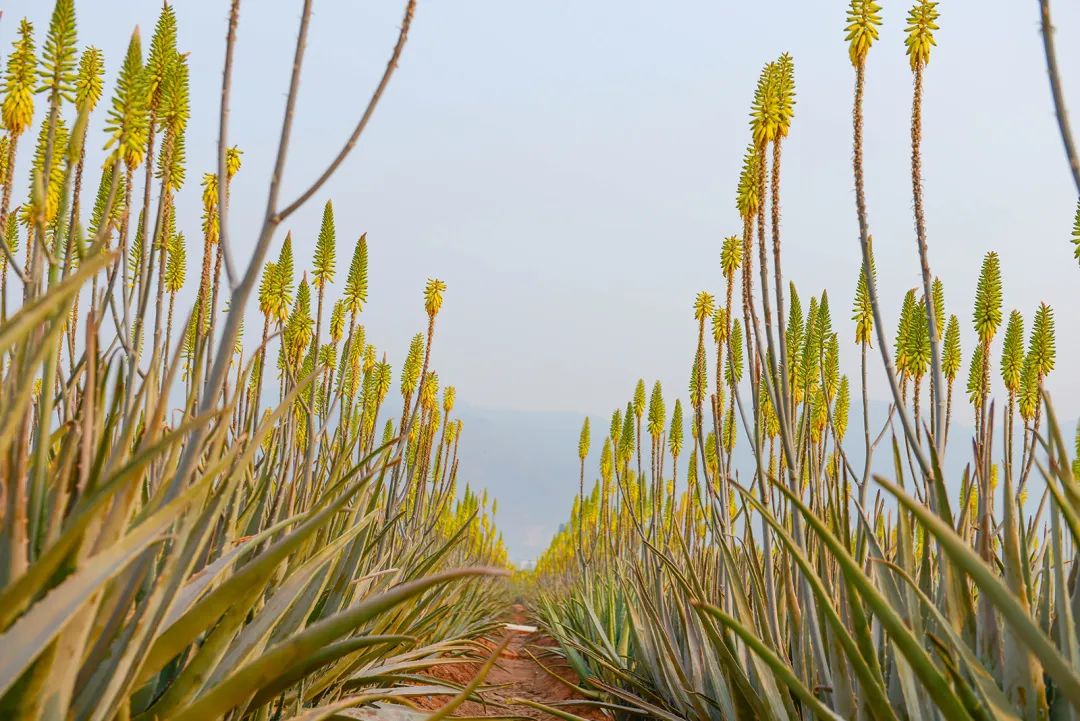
(175, 550)
(816, 588)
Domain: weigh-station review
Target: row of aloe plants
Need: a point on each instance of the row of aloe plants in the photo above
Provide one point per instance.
(174, 545)
(789, 578)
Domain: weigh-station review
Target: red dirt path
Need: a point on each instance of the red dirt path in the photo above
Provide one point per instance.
(516, 675)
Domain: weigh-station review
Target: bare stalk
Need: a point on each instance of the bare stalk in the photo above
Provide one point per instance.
(1059, 97)
(871, 282)
(937, 385)
(223, 135)
(784, 412)
(410, 9)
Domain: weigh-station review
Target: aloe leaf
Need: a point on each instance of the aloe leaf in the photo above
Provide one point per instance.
(328, 654)
(28, 636)
(205, 611)
(245, 681)
(991, 696)
(870, 682)
(906, 643)
(1067, 680)
(779, 667)
(14, 597)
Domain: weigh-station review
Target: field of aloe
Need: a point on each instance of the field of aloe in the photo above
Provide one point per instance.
(174, 544)
(188, 532)
(792, 579)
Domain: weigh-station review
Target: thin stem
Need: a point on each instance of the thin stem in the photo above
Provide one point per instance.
(223, 134)
(781, 323)
(410, 9)
(871, 282)
(146, 256)
(309, 452)
(243, 290)
(581, 503)
(937, 382)
(1059, 97)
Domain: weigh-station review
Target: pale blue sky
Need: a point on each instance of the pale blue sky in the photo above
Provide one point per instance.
(568, 168)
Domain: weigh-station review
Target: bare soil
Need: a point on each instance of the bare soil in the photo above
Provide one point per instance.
(516, 675)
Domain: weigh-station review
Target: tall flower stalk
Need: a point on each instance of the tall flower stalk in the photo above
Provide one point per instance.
(17, 112)
(922, 22)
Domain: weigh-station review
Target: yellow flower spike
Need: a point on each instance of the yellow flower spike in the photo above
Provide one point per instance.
(863, 19)
(976, 383)
(731, 255)
(232, 161)
(129, 117)
(433, 296)
(639, 399)
(862, 312)
(325, 249)
(1012, 352)
(175, 267)
(719, 325)
(785, 93)
(337, 321)
(712, 461)
(675, 432)
(1042, 347)
(210, 190)
(584, 441)
(703, 305)
(369, 358)
(765, 111)
(920, 29)
(162, 56)
(19, 79)
(771, 423)
(210, 226)
(746, 195)
(606, 466)
(356, 282)
(987, 314)
(429, 390)
(48, 203)
(951, 356)
(383, 380)
(841, 408)
(89, 83)
(410, 371)
(697, 378)
(729, 431)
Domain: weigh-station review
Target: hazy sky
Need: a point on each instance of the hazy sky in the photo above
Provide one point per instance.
(568, 168)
